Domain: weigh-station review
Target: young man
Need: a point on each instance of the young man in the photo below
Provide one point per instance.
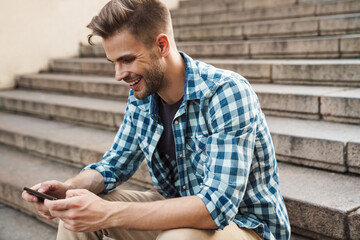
(201, 131)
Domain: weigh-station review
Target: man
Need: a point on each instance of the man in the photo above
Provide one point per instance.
(201, 131)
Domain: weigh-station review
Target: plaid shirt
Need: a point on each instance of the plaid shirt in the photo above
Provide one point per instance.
(224, 151)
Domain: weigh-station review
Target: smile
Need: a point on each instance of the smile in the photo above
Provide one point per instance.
(136, 81)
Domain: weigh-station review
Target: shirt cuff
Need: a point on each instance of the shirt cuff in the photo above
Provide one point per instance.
(220, 207)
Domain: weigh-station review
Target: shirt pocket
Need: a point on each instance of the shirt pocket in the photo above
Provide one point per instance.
(196, 152)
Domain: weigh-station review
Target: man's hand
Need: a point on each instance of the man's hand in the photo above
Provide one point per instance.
(53, 188)
(81, 211)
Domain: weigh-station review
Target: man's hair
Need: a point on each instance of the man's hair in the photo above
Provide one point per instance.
(145, 19)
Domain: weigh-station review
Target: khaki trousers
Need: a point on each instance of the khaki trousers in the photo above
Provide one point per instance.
(230, 232)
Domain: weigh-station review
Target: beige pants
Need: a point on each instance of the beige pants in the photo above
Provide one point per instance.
(230, 232)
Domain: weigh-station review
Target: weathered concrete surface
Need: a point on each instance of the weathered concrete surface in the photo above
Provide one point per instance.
(67, 143)
(354, 156)
(15, 225)
(350, 46)
(324, 72)
(318, 202)
(342, 106)
(319, 47)
(290, 100)
(94, 86)
(93, 66)
(278, 12)
(31, 170)
(354, 225)
(82, 110)
(312, 143)
(331, 72)
(343, 24)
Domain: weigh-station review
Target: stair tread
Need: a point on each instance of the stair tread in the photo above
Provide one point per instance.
(66, 100)
(31, 229)
(313, 129)
(65, 133)
(269, 22)
(318, 187)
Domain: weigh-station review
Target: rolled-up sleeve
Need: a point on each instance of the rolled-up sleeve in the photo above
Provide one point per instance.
(232, 117)
(124, 158)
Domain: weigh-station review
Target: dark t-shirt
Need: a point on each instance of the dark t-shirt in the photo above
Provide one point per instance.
(166, 143)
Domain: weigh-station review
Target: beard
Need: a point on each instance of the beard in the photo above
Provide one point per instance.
(154, 79)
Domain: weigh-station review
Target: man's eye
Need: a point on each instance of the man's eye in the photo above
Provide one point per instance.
(129, 60)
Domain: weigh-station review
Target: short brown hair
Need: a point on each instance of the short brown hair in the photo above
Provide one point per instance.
(143, 18)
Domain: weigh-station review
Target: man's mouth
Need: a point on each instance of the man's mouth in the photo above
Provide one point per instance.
(134, 82)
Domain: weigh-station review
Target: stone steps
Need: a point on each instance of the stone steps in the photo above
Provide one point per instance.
(307, 102)
(325, 145)
(265, 13)
(334, 72)
(62, 142)
(345, 46)
(319, 47)
(214, 6)
(90, 86)
(310, 102)
(307, 192)
(31, 229)
(30, 170)
(287, 28)
(95, 112)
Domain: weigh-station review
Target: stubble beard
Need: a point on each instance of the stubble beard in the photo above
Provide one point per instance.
(154, 79)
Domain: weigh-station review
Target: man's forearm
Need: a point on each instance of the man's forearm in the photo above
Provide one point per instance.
(161, 215)
(91, 180)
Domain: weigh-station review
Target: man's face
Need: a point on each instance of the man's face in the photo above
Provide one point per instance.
(135, 64)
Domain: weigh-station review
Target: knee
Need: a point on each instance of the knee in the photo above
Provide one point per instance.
(185, 234)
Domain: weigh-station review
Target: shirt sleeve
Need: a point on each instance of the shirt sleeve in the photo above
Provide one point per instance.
(125, 156)
(232, 117)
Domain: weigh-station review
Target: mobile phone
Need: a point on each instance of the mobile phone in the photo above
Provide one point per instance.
(41, 196)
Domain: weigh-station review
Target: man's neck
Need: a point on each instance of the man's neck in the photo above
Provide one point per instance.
(175, 77)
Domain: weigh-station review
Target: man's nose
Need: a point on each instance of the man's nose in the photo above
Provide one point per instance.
(120, 73)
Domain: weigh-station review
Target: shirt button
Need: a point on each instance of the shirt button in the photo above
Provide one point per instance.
(184, 187)
(180, 155)
(157, 133)
(176, 122)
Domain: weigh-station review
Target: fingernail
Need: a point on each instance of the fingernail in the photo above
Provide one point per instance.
(34, 199)
(41, 190)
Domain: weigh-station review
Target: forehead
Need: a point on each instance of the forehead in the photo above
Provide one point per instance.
(122, 43)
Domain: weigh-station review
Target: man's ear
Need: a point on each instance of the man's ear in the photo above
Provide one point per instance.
(163, 44)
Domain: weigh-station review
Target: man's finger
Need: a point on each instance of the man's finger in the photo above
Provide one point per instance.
(57, 205)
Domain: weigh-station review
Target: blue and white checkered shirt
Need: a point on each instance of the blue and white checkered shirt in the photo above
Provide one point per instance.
(224, 151)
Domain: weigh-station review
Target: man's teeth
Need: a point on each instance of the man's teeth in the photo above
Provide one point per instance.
(134, 82)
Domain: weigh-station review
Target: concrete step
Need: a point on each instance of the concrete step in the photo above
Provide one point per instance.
(341, 72)
(320, 144)
(330, 103)
(317, 144)
(94, 86)
(287, 28)
(317, 47)
(305, 102)
(316, 208)
(201, 7)
(62, 142)
(271, 13)
(100, 113)
(320, 204)
(31, 170)
(31, 229)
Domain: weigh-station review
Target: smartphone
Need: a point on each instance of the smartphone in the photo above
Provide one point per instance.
(41, 196)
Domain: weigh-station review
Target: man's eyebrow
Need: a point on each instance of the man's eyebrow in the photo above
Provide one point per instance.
(122, 58)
